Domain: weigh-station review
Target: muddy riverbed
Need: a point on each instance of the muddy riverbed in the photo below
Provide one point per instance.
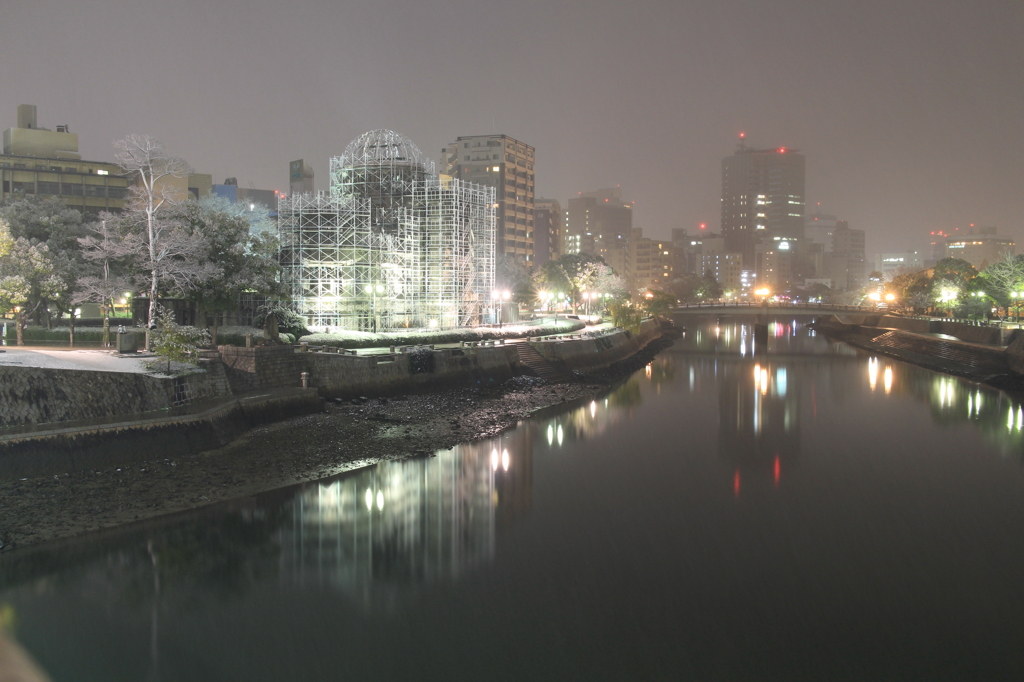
(347, 435)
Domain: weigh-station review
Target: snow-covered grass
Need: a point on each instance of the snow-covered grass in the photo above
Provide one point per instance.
(350, 339)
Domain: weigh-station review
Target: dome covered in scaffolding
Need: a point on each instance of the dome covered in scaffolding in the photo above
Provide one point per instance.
(381, 146)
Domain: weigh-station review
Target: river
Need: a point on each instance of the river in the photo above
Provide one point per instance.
(802, 512)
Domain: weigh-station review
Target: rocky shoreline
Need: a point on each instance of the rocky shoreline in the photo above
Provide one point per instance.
(347, 435)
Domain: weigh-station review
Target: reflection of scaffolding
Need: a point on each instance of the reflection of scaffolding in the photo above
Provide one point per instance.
(391, 245)
(385, 529)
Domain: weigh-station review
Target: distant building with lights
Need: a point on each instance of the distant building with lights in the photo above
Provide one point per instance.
(651, 261)
(548, 228)
(600, 223)
(890, 264)
(247, 195)
(981, 247)
(47, 163)
(391, 244)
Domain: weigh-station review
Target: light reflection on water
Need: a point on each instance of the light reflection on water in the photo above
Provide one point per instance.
(717, 466)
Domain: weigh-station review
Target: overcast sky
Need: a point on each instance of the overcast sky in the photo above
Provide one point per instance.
(909, 111)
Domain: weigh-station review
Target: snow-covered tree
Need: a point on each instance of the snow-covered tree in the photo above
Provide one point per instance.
(48, 221)
(27, 278)
(244, 255)
(162, 250)
(104, 279)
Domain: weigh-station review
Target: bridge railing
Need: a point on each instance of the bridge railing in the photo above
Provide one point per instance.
(777, 305)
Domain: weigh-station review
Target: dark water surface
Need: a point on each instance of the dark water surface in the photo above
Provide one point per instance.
(809, 513)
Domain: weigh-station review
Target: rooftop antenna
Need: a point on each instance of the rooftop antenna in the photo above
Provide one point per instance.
(740, 144)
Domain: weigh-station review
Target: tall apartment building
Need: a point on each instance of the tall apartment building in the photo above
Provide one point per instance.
(547, 230)
(762, 197)
(506, 164)
(41, 161)
(727, 269)
(600, 223)
(650, 260)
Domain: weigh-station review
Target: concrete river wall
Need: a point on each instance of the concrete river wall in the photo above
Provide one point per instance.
(69, 419)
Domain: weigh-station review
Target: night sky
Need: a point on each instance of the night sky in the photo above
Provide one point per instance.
(910, 112)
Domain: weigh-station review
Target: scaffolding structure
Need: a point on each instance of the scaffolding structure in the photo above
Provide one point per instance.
(391, 245)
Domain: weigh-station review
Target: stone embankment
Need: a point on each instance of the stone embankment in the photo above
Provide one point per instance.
(70, 419)
(911, 340)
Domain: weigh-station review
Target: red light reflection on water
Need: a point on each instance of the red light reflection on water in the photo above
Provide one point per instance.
(776, 470)
(736, 484)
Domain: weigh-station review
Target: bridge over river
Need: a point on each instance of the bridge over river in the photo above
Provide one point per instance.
(684, 311)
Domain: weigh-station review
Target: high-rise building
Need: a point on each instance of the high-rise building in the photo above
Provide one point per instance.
(506, 164)
(762, 197)
(41, 161)
(547, 230)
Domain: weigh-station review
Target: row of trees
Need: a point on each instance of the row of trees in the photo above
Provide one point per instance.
(571, 275)
(956, 287)
(163, 244)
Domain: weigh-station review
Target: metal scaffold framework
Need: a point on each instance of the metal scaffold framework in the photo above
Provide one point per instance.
(391, 245)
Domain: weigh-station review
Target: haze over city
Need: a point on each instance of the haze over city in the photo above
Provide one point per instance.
(908, 112)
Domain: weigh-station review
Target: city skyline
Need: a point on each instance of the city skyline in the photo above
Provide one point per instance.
(906, 114)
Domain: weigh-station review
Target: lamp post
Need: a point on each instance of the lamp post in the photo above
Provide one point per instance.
(374, 290)
(499, 296)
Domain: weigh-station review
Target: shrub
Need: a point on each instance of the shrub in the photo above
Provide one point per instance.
(287, 319)
(176, 343)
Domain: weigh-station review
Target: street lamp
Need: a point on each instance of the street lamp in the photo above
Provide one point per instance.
(764, 293)
(499, 296)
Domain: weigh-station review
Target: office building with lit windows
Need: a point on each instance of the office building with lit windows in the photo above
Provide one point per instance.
(981, 247)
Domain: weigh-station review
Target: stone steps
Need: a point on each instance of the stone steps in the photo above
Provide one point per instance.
(978, 359)
(541, 366)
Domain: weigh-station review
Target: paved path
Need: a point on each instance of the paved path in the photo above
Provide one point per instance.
(95, 359)
(106, 360)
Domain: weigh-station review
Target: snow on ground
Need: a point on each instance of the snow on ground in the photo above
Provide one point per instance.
(93, 359)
